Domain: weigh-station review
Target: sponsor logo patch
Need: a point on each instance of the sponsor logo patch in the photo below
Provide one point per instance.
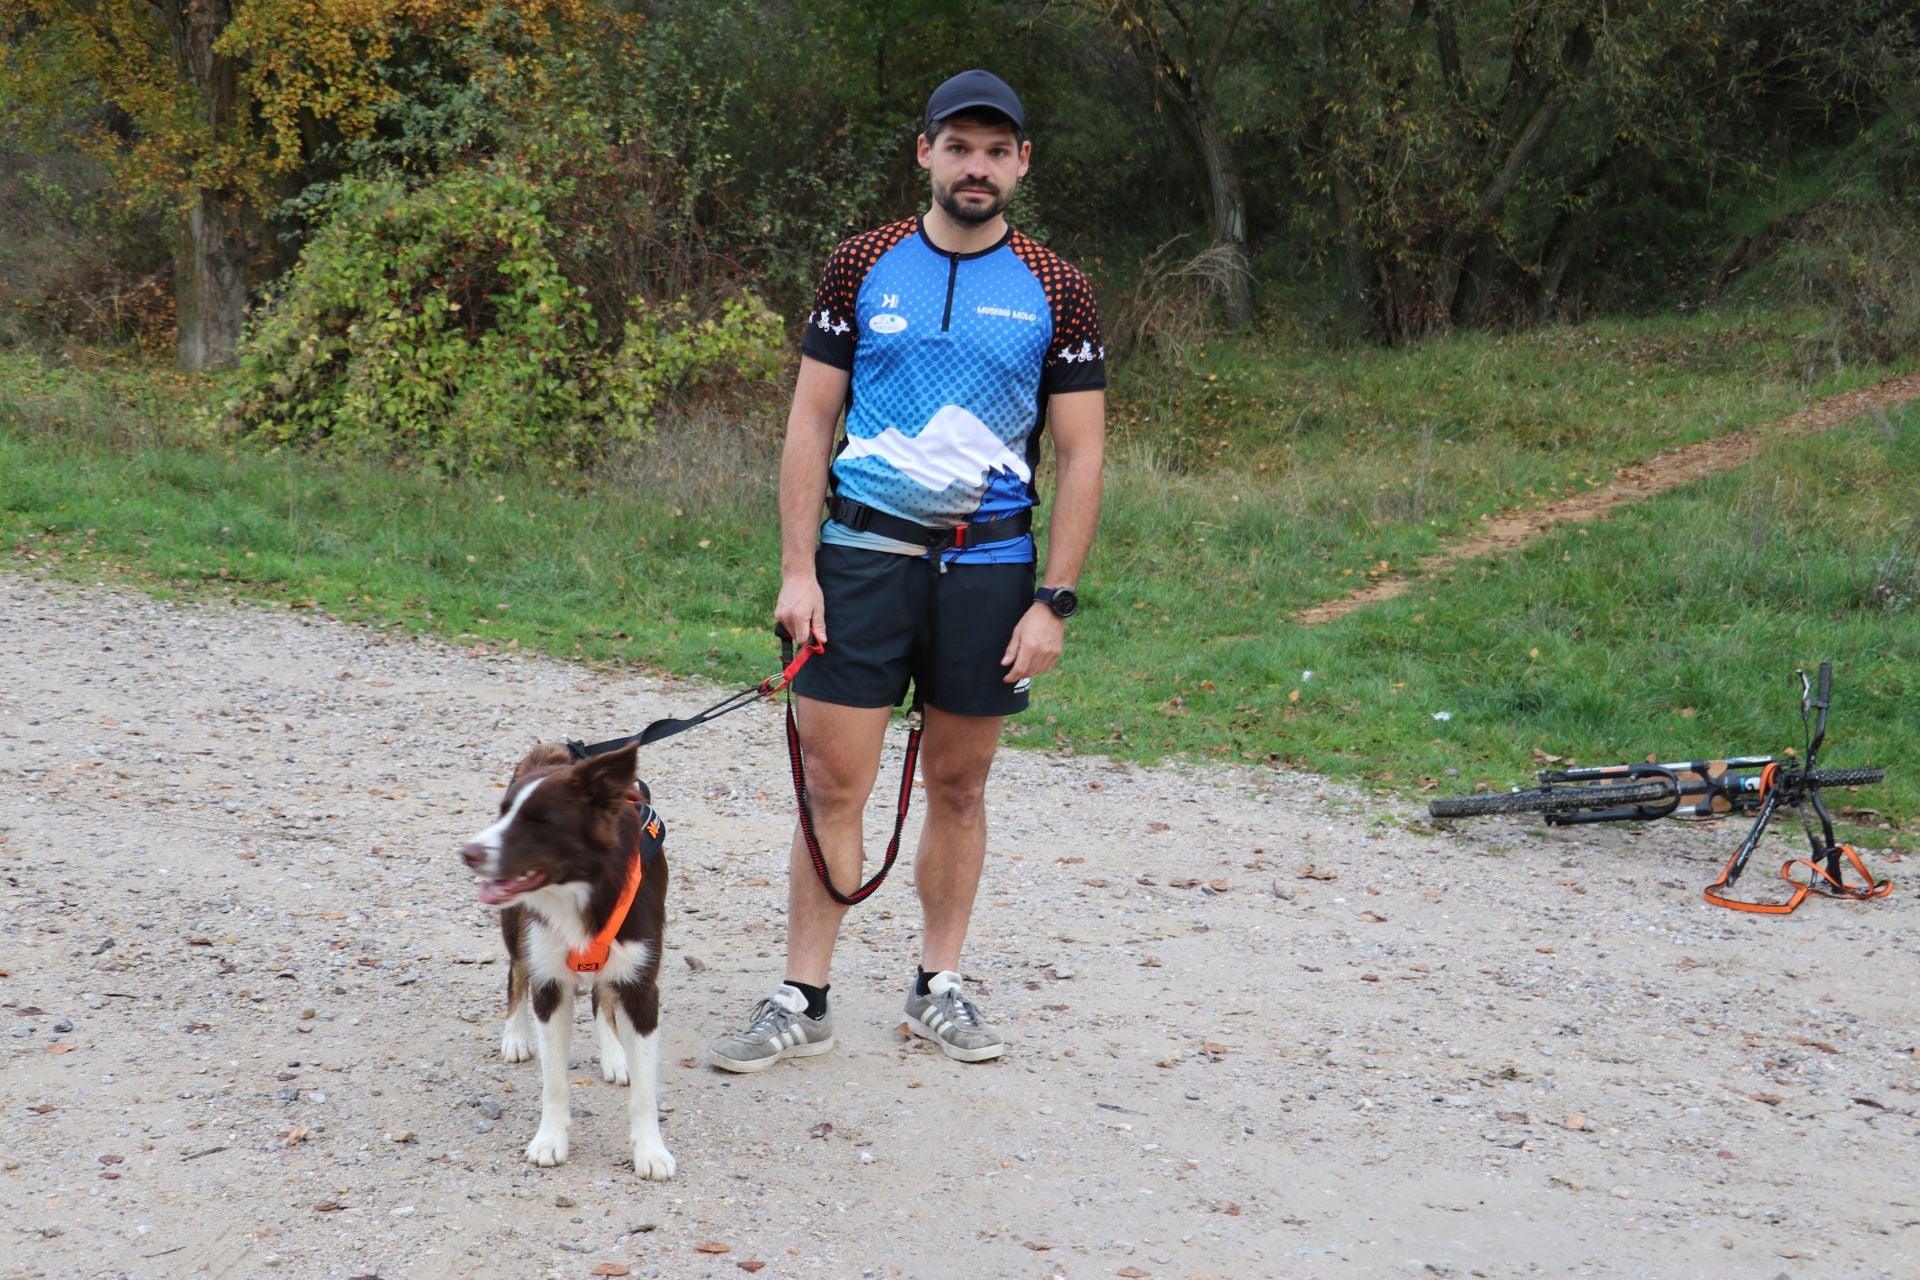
(887, 322)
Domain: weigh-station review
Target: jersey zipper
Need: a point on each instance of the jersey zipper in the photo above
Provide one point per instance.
(953, 272)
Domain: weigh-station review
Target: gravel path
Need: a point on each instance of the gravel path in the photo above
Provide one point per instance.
(1263, 1025)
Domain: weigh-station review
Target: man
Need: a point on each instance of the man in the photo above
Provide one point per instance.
(951, 340)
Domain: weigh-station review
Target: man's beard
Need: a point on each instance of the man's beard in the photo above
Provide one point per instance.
(972, 214)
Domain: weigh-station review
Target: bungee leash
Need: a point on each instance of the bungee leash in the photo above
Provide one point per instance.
(915, 725)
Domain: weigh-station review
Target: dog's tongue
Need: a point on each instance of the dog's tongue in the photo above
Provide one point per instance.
(495, 892)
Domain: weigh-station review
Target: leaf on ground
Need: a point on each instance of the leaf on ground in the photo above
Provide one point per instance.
(751, 1265)
(328, 1206)
(821, 1130)
(611, 1269)
(1038, 1246)
(1132, 1273)
(1314, 873)
(714, 1246)
(59, 1048)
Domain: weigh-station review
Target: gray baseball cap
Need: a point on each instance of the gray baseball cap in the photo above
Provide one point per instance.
(975, 88)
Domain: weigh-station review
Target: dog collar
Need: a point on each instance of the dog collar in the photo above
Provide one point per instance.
(593, 956)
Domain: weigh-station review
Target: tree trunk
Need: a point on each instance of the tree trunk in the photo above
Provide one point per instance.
(1451, 258)
(1356, 267)
(210, 247)
(1183, 89)
(210, 280)
(1193, 123)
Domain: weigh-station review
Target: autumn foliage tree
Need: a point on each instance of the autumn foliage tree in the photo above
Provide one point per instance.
(210, 109)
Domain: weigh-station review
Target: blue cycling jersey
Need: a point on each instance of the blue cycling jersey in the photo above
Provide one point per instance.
(953, 357)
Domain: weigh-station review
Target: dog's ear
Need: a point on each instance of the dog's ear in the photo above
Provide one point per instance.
(606, 779)
(544, 756)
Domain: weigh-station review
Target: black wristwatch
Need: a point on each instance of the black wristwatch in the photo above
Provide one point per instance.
(1062, 600)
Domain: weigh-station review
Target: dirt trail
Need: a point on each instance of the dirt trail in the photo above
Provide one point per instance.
(1511, 530)
(1262, 1025)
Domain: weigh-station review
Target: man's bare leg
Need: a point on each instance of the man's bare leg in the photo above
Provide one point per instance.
(842, 747)
(955, 759)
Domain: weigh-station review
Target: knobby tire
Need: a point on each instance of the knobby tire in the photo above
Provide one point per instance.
(1563, 799)
(1864, 776)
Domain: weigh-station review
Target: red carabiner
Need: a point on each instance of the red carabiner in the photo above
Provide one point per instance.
(774, 684)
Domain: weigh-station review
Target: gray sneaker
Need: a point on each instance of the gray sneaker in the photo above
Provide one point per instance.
(778, 1028)
(951, 1021)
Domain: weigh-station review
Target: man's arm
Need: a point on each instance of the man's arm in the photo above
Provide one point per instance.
(1078, 420)
(818, 396)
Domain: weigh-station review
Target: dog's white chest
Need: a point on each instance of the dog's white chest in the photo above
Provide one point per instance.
(556, 926)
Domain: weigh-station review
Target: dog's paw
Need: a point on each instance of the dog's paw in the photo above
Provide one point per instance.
(652, 1163)
(516, 1037)
(548, 1148)
(613, 1069)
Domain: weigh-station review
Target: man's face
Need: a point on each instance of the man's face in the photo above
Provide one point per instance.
(975, 167)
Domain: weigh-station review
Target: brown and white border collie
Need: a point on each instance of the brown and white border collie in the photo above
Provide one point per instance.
(558, 862)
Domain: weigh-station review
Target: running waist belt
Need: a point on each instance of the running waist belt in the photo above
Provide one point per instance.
(862, 518)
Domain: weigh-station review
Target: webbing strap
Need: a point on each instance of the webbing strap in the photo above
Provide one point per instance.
(1835, 887)
(1839, 888)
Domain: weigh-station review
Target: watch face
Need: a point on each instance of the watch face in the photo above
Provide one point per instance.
(1064, 602)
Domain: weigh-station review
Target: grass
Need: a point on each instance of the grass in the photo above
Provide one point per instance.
(1671, 629)
(1256, 484)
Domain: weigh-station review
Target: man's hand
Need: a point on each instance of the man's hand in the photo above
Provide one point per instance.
(1035, 646)
(802, 610)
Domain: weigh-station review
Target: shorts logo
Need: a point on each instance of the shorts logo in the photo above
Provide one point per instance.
(1021, 686)
(887, 322)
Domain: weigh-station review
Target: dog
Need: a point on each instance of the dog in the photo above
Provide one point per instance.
(559, 860)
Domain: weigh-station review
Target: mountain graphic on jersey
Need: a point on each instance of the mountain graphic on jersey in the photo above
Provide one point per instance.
(954, 450)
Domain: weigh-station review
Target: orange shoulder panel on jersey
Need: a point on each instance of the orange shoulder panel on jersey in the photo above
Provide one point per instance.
(848, 265)
(1076, 315)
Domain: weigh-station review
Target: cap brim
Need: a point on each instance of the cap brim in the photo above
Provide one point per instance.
(977, 105)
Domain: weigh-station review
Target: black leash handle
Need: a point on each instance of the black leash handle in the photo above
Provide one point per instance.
(659, 729)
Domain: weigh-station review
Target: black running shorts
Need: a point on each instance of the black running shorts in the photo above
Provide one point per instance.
(894, 618)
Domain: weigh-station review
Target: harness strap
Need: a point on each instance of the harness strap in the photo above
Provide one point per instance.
(649, 834)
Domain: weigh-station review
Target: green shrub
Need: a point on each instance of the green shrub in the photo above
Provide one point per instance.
(437, 324)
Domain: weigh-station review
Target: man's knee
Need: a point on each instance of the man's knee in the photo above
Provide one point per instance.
(956, 785)
(835, 782)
